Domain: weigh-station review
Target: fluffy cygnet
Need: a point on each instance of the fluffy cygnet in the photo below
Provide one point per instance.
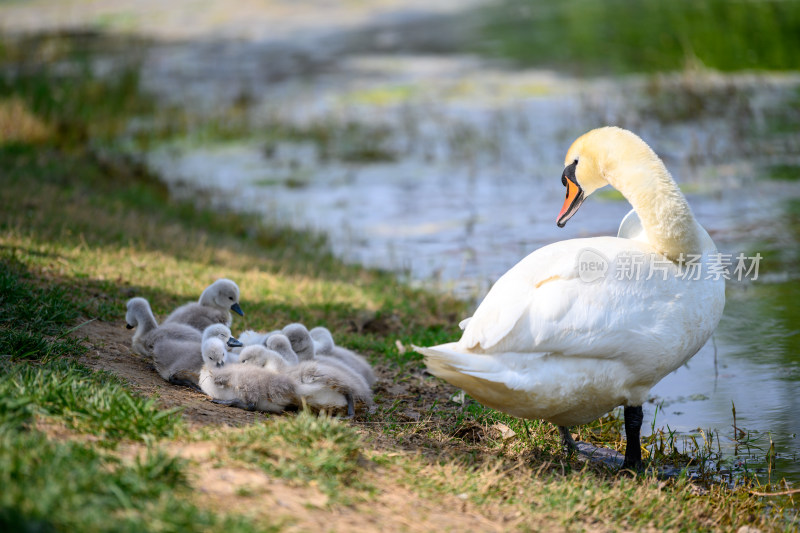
(260, 356)
(250, 337)
(180, 361)
(329, 387)
(301, 341)
(245, 386)
(280, 343)
(324, 345)
(213, 307)
(139, 315)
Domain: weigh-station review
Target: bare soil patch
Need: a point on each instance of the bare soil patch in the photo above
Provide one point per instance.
(109, 350)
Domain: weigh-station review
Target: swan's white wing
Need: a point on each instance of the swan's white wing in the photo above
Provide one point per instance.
(510, 298)
(542, 305)
(631, 227)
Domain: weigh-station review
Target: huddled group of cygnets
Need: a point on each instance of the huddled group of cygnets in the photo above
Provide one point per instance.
(274, 371)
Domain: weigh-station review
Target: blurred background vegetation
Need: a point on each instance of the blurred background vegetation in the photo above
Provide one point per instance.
(623, 36)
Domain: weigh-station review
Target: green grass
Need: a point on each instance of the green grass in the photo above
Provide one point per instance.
(69, 486)
(620, 36)
(304, 448)
(86, 401)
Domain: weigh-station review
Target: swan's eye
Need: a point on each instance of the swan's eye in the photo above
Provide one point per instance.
(564, 181)
(575, 162)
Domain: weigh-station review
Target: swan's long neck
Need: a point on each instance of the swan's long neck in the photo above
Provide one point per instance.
(148, 321)
(145, 322)
(666, 216)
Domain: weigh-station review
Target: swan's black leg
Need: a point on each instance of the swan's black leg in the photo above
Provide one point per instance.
(633, 449)
(351, 408)
(566, 439)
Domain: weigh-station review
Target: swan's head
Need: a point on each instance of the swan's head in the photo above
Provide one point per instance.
(222, 294)
(255, 355)
(592, 160)
(136, 311)
(221, 332)
(323, 339)
(300, 340)
(280, 343)
(213, 350)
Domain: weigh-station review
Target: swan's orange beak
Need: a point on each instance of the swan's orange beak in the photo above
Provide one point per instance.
(573, 200)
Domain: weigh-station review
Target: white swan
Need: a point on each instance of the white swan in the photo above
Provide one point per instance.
(558, 341)
(213, 307)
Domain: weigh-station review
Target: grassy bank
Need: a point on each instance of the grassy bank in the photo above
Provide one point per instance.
(621, 36)
(84, 228)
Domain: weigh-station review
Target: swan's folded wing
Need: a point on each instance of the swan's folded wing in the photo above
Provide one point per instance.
(542, 305)
(513, 295)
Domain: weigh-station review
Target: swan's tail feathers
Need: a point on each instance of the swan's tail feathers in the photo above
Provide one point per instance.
(461, 369)
(463, 323)
(440, 360)
(478, 375)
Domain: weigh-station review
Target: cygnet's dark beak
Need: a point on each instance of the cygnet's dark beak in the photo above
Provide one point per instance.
(233, 342)
(220, 363)
(236, 309)
(129, 326)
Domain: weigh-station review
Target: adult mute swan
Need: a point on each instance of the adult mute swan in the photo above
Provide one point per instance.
(582, 326)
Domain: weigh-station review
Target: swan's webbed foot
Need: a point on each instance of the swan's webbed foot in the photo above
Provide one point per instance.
(633, 448)
(235, 403)
(176, 379)
(590, 451)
